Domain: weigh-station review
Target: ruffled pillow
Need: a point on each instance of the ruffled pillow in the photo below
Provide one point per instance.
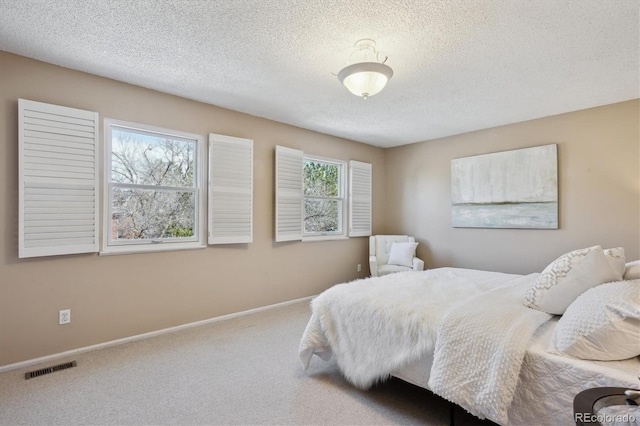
(567, 277)
(601, 324)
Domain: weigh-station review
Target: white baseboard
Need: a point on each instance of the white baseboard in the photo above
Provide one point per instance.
(48, 358)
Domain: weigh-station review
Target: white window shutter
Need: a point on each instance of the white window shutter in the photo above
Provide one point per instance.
(359, 199)
(58, 180)
(289, 188)
(230, 190)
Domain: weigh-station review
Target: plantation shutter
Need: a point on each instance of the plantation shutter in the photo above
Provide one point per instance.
(230, 190)
(289, 188)
(58, 180)
(359, 199)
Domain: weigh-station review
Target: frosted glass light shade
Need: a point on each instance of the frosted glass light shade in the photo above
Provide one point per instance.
(365, 78)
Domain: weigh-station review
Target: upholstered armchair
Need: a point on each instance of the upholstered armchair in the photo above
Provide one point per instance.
(385, 257)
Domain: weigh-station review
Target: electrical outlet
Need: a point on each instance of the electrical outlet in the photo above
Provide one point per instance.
(64, 316)
(359, 267)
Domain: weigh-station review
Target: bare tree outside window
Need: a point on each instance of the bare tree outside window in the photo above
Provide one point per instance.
(322, 197)
(152, 186)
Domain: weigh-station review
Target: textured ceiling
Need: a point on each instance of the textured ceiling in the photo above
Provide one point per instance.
(458, 66)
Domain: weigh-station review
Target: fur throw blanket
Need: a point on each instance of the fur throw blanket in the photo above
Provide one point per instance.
(378, 325)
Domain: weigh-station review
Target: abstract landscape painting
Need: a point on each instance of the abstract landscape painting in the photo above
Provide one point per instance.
(510, 189)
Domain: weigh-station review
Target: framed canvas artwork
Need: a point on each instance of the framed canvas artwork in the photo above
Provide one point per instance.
(510, 189)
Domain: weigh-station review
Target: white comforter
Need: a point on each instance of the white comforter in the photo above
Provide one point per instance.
(378, 325)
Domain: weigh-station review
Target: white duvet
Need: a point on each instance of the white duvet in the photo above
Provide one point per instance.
(375, 326)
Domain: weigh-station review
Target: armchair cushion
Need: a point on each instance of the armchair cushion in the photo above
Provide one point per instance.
(402, 254)
(389, 269)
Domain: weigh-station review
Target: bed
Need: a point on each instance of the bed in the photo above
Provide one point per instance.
(463, 334)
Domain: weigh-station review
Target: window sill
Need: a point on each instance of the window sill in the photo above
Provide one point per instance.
(324, 238)
(150, 248)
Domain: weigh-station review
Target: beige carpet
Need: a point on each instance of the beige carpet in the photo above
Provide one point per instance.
(239, 371)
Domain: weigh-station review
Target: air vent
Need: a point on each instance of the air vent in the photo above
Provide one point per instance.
(43, 371)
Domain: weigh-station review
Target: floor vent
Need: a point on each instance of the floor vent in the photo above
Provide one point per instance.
(48, 370)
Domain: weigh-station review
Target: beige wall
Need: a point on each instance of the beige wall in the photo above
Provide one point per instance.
(112, 297)
(599, 191)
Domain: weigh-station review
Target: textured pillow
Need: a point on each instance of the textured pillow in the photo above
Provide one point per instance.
(568, 277)
(402, 254)
(615, 256)
(632, 270)
(602, 324)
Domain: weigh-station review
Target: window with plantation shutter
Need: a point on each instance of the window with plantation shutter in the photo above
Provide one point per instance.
(58, 180)
(311, 201)
(289, 198)
(359, 199)
(230, 190)
(154, 185)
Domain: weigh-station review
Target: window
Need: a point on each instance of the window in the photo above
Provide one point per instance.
(323, 186)
(153, 189)
(311, 200)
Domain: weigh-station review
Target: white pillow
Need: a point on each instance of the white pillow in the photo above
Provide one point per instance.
(402, 254)
(602, 324)
(568, 277)
(632, 270)
(615, 256)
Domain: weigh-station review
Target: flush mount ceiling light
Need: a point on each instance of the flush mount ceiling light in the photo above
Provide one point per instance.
(368, 75)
